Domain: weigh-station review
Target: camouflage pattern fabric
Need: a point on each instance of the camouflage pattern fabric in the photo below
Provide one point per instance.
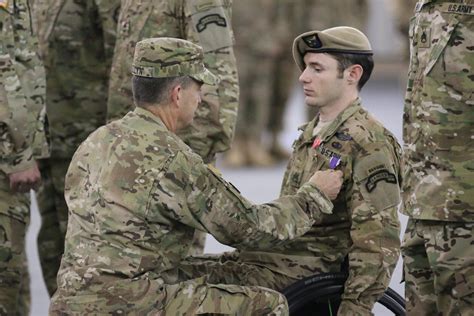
(53, 212)
(364, 225)
(438, 172)
(136, 193)
(204, 22)
(439, 268)
(22, 140)
(77, 40)
(403, 10)
(14, 280)
(438, 119)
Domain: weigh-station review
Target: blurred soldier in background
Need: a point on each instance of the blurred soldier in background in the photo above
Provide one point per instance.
(205, 22)
(264, 31)
(76, 40)
(403, 10)
(22, 141)
(438, 185)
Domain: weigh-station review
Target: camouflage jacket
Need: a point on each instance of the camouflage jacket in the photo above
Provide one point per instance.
(364, 224)
(22, 90)
(77, 39)
(204, 22)
(439, 116)
(136, 193)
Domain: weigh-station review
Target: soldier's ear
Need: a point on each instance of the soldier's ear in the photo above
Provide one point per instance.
(176, 96)
(354, 73)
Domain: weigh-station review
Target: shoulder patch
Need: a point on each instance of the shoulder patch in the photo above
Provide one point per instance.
(210, 19)
(381, 175)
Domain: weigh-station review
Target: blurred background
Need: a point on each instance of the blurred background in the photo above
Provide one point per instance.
(382, 96)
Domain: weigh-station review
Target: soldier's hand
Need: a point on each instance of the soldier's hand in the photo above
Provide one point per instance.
(328, 181)
(24, 181)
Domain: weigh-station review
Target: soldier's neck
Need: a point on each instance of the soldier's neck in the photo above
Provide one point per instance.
(331, 111)
(167, 116)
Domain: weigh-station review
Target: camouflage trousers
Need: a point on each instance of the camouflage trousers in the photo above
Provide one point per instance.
(439, 268)
(14, 278)
(152, 297)
(54, 213)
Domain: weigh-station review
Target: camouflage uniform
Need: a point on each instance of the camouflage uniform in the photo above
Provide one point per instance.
(364, 224)
(77, 40)
(438, 170)
(22, 140)
(206, 22)
(134, 205)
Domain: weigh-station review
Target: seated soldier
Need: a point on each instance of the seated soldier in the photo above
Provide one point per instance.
(136, 193)
(364, 226)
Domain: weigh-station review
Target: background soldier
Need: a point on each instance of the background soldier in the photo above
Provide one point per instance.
(22, 141)
(205, 22)
(439, 161)
(76, 40)
(364, 226)
(136, 194)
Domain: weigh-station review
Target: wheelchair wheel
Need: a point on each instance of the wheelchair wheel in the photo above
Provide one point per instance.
(321, 295)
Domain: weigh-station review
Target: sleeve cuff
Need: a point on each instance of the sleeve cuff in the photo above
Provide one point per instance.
(319, 202)
(18, 162)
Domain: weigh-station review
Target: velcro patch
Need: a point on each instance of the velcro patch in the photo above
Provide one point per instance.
(381, 175)
(210, 19)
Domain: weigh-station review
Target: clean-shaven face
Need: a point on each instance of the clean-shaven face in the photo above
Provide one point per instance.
(322, 82)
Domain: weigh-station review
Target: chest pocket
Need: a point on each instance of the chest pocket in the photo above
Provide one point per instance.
(377, 181)
(211, 24)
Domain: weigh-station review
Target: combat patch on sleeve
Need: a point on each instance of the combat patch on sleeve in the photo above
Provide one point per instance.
(210, 19)
(381, 175)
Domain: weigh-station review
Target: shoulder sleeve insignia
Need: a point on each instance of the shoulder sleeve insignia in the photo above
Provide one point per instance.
(210, 19)
(381, 175)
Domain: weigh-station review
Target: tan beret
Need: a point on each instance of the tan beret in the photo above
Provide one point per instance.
(341, 39)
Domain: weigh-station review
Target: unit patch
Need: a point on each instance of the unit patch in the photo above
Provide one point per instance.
(210, 19)
(381, 175)
(342, 136)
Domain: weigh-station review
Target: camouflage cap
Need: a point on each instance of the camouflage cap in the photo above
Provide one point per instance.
(166, 57)
(341, 39)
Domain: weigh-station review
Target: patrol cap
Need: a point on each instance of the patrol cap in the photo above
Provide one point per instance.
(166, 57)
(341, 39)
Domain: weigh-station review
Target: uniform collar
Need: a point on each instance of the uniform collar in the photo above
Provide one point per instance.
(150, 117)
(328, 131)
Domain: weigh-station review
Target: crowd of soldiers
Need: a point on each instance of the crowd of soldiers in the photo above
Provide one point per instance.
(99, 115)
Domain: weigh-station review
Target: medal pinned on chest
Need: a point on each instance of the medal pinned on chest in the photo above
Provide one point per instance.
(334, 158)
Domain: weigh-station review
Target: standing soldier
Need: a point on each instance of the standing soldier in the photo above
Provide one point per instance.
(438, 186)
(364, 226)
(76, 41)
(22, 142)
(205, 22)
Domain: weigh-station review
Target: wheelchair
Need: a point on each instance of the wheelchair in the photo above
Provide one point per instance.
(321, 295)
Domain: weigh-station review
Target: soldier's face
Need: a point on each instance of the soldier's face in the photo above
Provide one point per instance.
(321, 79)
(190, 99)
